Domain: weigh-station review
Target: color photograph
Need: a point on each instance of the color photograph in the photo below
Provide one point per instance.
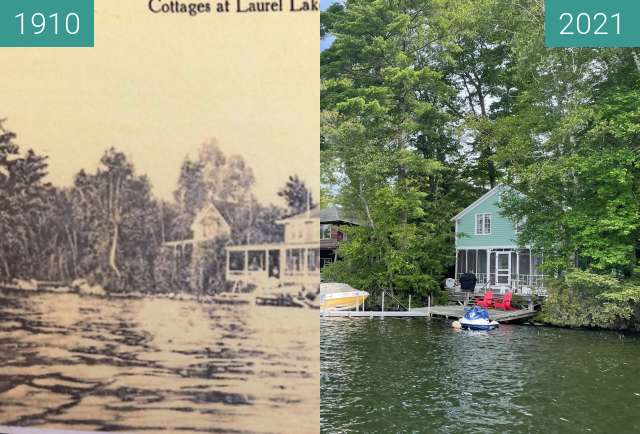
(480, 217)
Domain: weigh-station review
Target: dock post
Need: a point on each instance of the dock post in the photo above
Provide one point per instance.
(382, 304)
(409, 302)
(429, 305)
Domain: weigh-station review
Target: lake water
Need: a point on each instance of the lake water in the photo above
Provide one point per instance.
(154, 365)
(417, 375)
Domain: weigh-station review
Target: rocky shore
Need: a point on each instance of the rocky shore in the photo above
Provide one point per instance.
(285, 296)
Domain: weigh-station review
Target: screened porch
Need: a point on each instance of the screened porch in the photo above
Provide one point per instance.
(502, 269)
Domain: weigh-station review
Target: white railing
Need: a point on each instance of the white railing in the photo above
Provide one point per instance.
(523, 284)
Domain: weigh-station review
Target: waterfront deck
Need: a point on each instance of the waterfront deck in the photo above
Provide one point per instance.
(416, 313)
(454, 312)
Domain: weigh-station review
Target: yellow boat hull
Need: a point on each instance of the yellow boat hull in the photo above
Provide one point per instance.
(343, 301)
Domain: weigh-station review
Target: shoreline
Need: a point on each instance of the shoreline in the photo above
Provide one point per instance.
(284, 298)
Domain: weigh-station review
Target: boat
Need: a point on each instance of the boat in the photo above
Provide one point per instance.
(340, 296)
(477, 318)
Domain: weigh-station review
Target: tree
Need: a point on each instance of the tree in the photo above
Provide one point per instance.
(22, 201)
(119, 224)
(297, 196)
(579, 183)
(388, 134)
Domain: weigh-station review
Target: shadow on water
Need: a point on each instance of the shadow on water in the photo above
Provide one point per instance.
(150, 365)
(416, 375)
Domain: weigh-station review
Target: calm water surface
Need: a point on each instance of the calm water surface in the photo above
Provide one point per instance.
(416, 375)
(154, 365)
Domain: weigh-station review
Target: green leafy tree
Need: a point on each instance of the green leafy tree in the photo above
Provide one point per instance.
(387, 134)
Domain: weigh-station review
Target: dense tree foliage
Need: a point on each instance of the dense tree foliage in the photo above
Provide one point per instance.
(297, 196)
(109, 229)
(428, 103)
(25, 237)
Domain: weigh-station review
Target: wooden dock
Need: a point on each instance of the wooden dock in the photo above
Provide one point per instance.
(502, 316)
(417, 313)
(453, 312)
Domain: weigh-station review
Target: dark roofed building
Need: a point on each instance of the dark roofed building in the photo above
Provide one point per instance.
(330, 235)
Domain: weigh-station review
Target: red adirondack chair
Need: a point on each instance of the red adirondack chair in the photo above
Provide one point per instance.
(487, 301)
(505, 304)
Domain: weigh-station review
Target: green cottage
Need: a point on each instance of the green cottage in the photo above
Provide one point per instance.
(486, 245)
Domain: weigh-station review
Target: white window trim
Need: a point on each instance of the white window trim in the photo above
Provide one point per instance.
(484, 216)
(330, 230)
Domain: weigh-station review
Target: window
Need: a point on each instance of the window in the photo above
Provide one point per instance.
(325, 232)
(483, 224)
(236, 261)
(256, 260)
(295, 259)
(313, 259)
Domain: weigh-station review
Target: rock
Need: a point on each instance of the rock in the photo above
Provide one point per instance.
(26, 285)
(59, 289)
(84, 288)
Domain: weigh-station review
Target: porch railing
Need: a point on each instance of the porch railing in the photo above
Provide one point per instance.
(523, 284)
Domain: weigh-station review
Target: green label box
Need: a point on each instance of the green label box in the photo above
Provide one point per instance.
(592, 23)
(46, 23)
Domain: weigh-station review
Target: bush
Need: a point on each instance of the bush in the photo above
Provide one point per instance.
(583, 283)
(584, 299)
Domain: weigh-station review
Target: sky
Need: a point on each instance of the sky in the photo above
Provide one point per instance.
(326, 42)
(157, 86)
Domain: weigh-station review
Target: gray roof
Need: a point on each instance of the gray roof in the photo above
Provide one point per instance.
(313, 213)
(336, 214)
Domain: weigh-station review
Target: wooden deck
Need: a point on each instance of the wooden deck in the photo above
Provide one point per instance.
(374, 314)
(456, 312)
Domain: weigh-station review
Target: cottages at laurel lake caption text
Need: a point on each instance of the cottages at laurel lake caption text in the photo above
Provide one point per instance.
(237, 6)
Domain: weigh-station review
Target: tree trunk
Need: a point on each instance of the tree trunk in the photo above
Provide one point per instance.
(6, 269)
(366, 206)
(115, 200)
(74, 250)
(114, 249)
(491, 170)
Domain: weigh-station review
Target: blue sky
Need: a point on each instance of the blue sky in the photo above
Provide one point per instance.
(325, 4)
(326, 42)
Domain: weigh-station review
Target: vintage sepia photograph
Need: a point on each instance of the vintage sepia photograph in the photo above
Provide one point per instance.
(159, 228)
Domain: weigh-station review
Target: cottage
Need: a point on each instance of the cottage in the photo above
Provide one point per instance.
(294, 261)
(331, 219)
(486, 245)
(209, 224)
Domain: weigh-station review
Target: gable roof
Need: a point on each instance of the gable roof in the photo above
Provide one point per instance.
(482, 198)
(209, 223)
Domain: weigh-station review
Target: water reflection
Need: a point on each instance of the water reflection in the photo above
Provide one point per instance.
(417, 375)
(150, 365)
